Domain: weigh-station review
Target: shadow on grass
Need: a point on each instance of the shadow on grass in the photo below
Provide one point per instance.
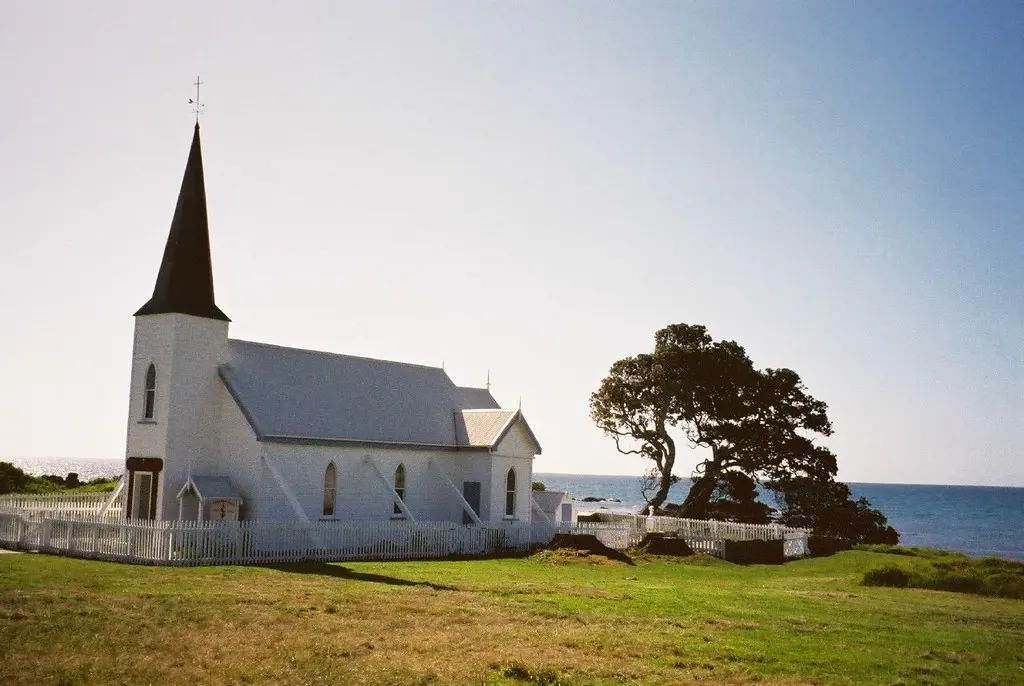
(340, 572)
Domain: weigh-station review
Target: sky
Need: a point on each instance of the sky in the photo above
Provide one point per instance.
(533, 189)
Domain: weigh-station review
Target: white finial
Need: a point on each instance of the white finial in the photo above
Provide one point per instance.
(488, 379)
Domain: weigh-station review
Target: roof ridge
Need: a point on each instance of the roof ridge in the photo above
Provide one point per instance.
(344, 355)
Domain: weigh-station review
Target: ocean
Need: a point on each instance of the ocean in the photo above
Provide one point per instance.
(976, 520)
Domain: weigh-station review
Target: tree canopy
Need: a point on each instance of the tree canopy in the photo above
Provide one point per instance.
(758, 425)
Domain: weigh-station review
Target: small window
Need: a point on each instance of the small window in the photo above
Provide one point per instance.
(149, 397)
(330, 489)
(510, 493)
(399, 487)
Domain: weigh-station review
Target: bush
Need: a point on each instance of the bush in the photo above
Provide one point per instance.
(886, 575)
(821, 546)
(956, 573)
(659, 544)
(754, 552)
(827, 507)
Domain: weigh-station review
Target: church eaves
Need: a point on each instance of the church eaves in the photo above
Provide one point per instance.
(185, 281)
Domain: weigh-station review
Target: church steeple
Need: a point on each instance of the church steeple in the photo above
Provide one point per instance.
(185, 281)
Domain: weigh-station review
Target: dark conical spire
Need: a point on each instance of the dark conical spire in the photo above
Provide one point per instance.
(185, 281)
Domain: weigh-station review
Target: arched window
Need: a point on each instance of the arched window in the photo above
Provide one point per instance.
(400, 487)
(149, 396)
(330, 489)
(510, 493)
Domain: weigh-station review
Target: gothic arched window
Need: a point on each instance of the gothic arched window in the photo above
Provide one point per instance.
(399, 487)
(330, 489)
(510, 493)
(149, 396)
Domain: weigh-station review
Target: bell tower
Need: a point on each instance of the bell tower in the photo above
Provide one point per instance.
(181, 338)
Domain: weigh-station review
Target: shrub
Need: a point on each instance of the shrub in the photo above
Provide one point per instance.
(886, 575)
(754, 552)
(821, 546)
(957, 573)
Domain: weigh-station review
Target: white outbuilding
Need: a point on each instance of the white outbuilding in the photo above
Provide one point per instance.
(555, 506)
(223, 428)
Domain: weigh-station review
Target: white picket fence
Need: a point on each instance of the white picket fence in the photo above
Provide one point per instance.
(205, 543)
(71, 524)
(61, 505)
(703, 536)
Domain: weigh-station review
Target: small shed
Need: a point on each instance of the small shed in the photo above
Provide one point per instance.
(556, 506)
(209, 498)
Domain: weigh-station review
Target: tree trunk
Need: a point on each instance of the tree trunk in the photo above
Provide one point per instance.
(698, 500)
(664, 484)
(665, 479)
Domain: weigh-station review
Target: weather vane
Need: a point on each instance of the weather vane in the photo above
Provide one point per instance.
(197, 107)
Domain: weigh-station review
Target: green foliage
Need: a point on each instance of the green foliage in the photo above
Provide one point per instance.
(887, 575)
(538, 486)
(758, 423)
(733, 499)
(942, 571)
(16, 480)
(828, 508)
(754, 551)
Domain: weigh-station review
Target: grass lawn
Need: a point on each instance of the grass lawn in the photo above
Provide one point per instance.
(548, 619)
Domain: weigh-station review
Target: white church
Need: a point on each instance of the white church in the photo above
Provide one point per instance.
(220, 428)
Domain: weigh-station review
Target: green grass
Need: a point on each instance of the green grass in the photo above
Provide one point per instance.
(944, 571)
(554, 618)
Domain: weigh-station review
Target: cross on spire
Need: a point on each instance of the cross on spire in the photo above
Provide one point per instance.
(197, 107)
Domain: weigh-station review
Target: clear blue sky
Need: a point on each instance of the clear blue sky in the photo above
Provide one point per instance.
(534, 188)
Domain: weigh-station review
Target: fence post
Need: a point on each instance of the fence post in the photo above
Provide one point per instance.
(44, 533)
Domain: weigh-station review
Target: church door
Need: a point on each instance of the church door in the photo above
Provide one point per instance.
(143, 483)
(471, 492)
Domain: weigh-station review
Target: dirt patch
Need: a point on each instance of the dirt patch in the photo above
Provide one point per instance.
(588, 544)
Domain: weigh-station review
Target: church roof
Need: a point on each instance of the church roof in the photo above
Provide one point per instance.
(483, 428)
(550, 501)
(295, 395)
(185, 281)
(210, 488)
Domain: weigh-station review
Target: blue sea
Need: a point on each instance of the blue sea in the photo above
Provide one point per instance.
(976, 520)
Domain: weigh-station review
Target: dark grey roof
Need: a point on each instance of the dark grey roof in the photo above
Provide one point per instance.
(185, 281)
(478, 398)
(549, 501)
(294, 394)
(211, 487)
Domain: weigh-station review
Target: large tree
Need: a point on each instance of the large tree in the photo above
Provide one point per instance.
(759, 423)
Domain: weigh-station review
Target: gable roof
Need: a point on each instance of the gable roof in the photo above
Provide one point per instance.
(211, 487)
(290, 394)
(481, 427)
(549, 501)
(185, 281)
(485, 427)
